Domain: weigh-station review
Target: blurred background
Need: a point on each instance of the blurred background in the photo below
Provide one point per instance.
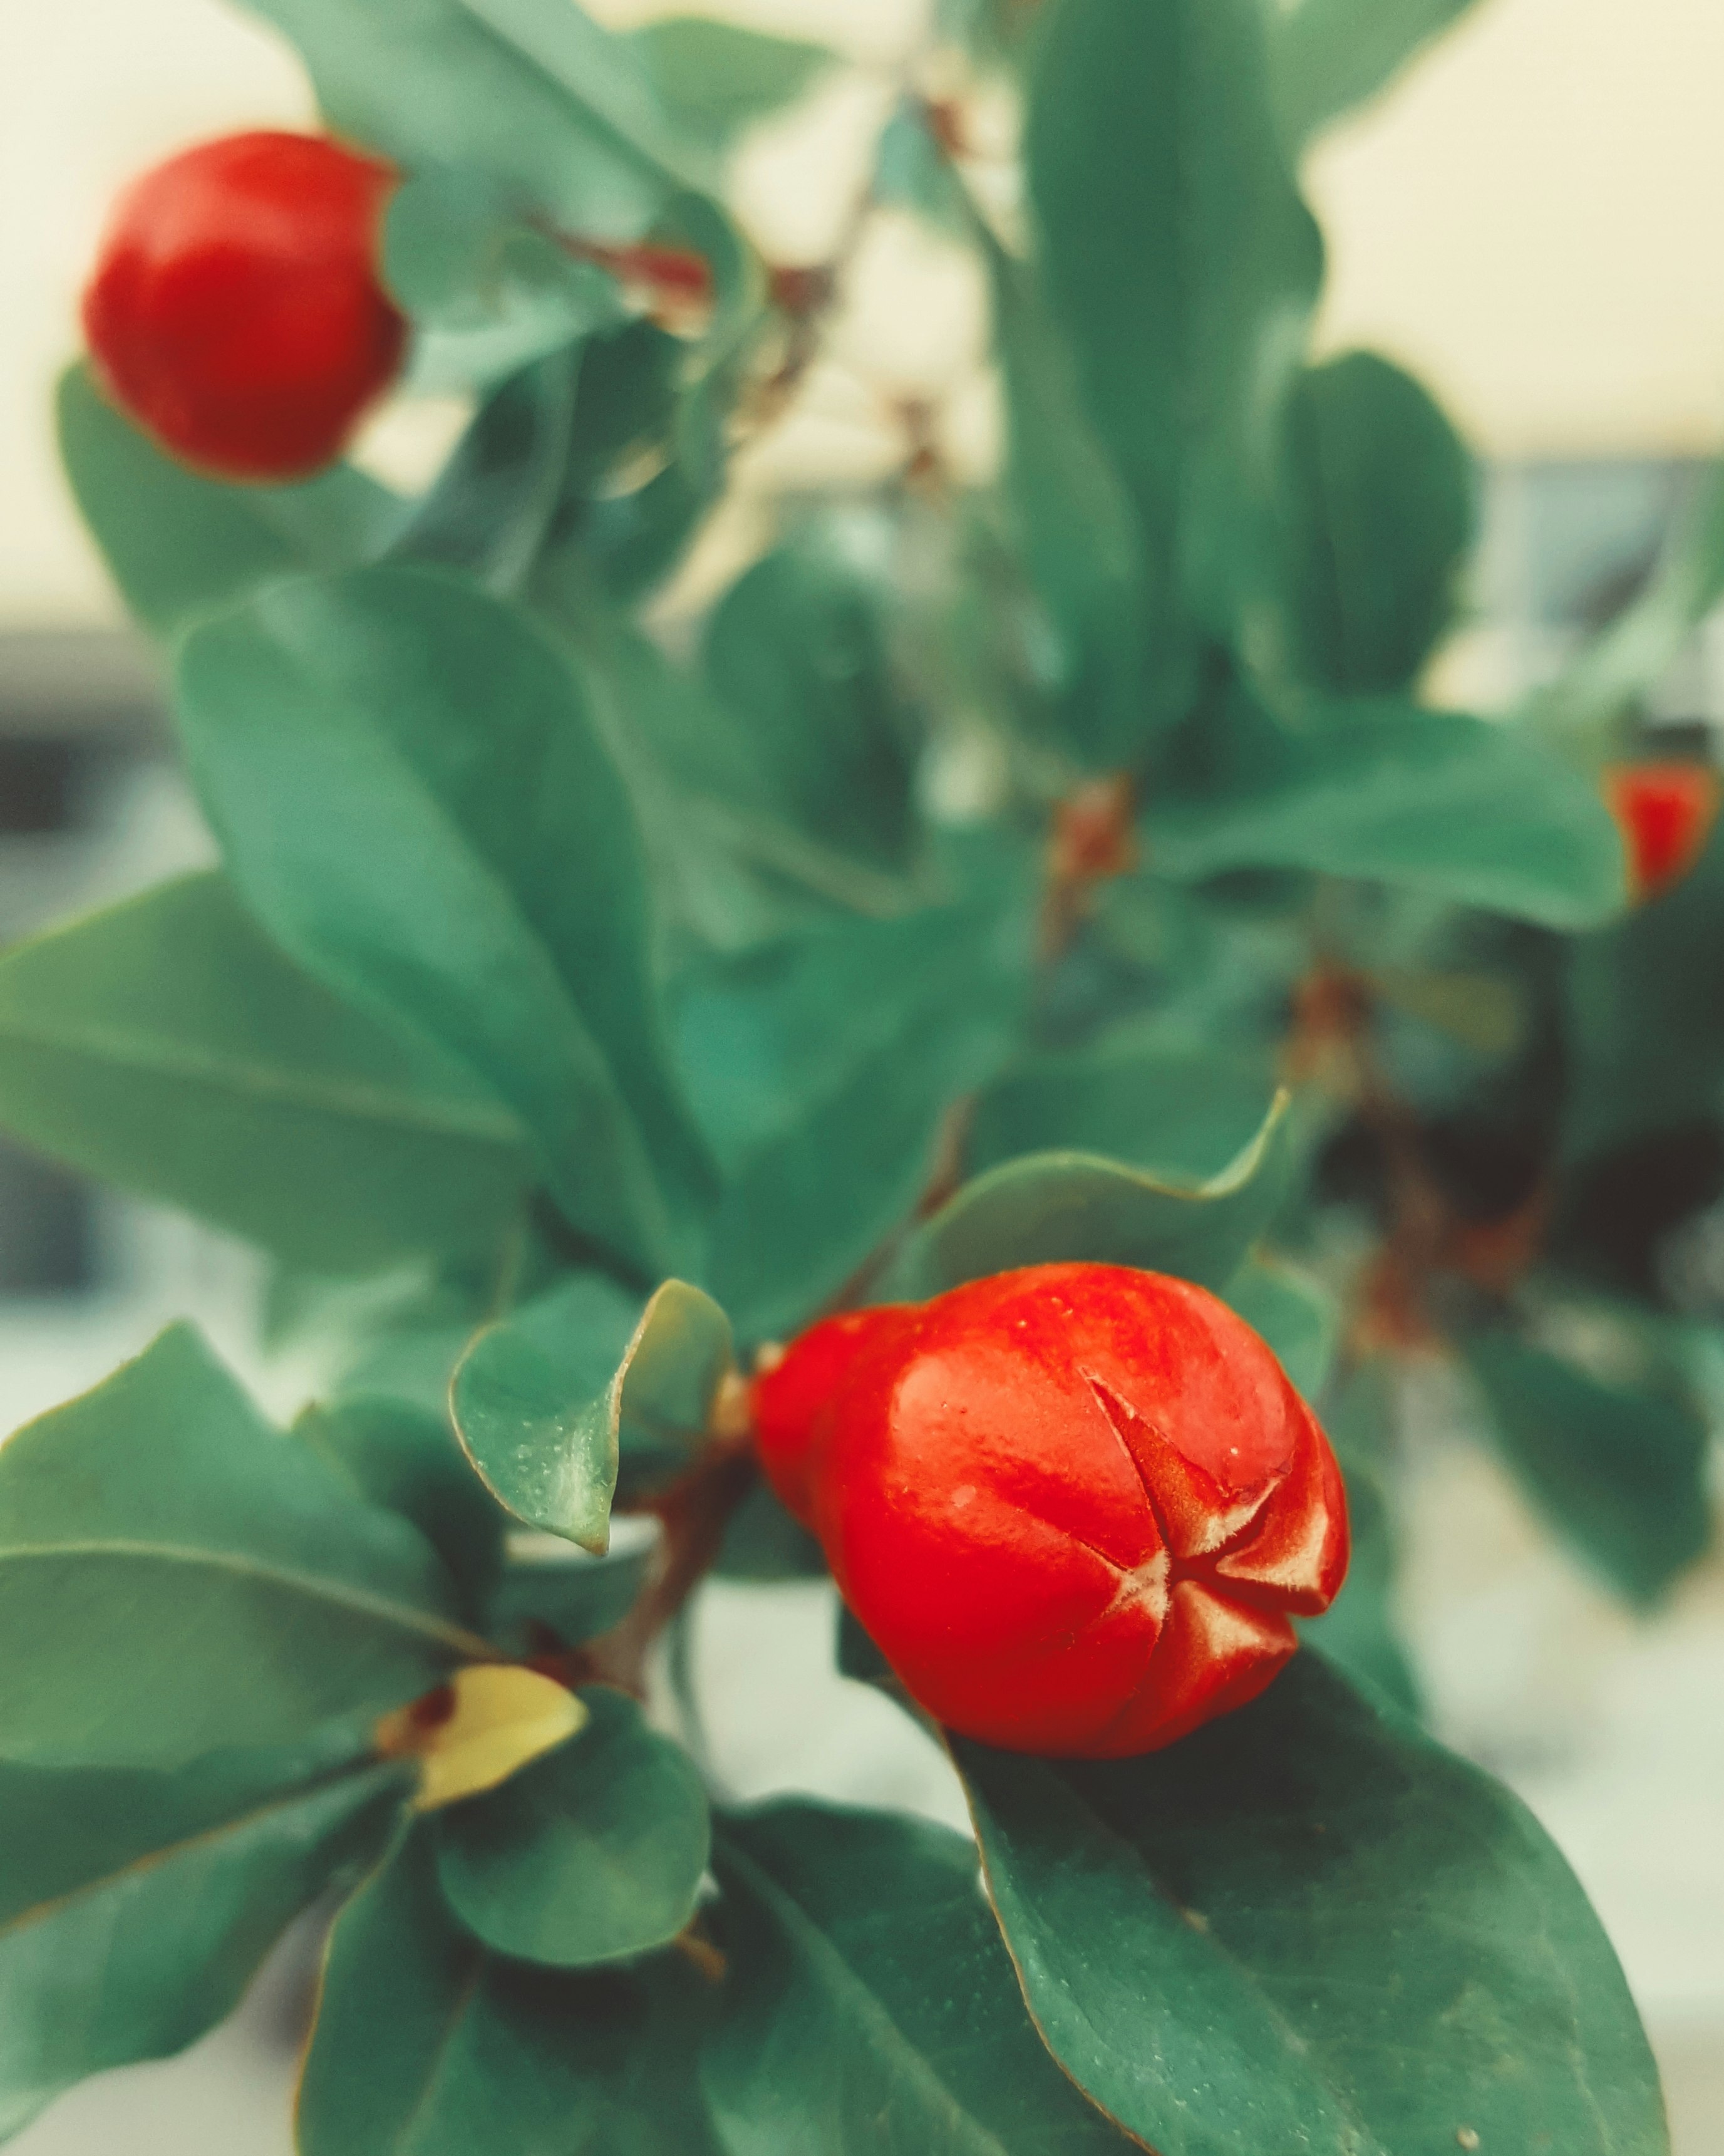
(1528, 219)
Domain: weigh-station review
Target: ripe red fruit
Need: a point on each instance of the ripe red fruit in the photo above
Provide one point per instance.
(1666, 813)
(1074, 1506)
(235, 312)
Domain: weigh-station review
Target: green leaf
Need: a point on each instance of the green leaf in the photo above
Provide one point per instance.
(593, 1855)
(572, 1595)
(1295, 1314)
(869, 2007)
(413, 798)
(491, 506)
(733, 874)
(176, 1577)
(1468, 812)
(1180, 260)
(1076, 528)
(489, 293)
(167, 1045)
(1645, 1032)
(1616, 673)
(135, 1908)
(180, 545)
(1358, 1631)
(796, 652)
(645, 407)
(1329, 55)
(1620, 1471)
(546, 1400)
(827, 1068)
(1308, 1926)
(531, 93)
(715, 79)
(1151, 1095)
(401, 1455)
(1379, 508)
(426, 2044)
(1054, 1207)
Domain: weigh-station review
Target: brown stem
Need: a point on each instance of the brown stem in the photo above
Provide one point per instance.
(1092, 838)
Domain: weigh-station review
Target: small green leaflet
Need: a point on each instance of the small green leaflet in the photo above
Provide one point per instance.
(594, 1854)
(1054, 1207)
(1377, 511)
(542, 1399)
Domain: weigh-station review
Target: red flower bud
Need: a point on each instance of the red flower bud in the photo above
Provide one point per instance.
(236, 312)
(1075, 1507)
(1666, 813)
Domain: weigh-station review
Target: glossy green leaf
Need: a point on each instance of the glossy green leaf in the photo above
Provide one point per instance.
(715, 79)
(181, 546)
(1470, 812)
(175, 1577)
(1295, 1314)
(1076, 528)
(488, 292)
(1180, 260)
(491, 506)
(1307, 1926)
(1377, 510)
(427, 2044)
(134, 1907)
(593, 1855)
(870, 2006)
(546, 1400)
(1330, 55)
(1054, 1207)
(797, 654)
(1620, 1471)
(1645, 1019)
(402, 1456)
(413, 798)
(1151, 1095)
(572, 1595)
(167, 1045)
(532, 93)
(828, 1069)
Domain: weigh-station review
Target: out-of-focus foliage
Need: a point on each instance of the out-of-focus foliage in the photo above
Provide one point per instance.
(1061, 864)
